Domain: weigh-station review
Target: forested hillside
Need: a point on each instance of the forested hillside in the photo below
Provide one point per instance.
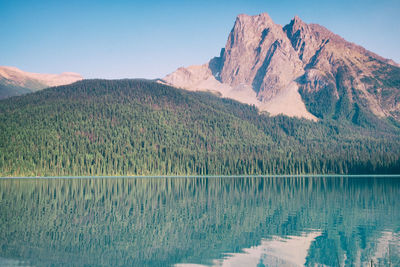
(139, 127)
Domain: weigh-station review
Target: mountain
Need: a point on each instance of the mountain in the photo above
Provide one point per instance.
(139, 127)
(14, 81)
(342, 103)
(300, 70)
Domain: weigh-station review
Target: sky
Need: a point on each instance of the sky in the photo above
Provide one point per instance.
(148, 39)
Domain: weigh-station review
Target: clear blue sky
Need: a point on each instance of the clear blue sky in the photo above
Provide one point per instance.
(149, 39)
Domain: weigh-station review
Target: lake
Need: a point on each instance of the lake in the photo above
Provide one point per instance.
(198, 221)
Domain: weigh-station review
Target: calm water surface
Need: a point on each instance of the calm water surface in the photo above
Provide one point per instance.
(254, 221)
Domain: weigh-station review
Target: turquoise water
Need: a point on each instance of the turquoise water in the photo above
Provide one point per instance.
(231, 221)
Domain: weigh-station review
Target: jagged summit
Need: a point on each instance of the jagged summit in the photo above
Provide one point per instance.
(261, 18)
(301, 70)
(296, 24)
(296, 21)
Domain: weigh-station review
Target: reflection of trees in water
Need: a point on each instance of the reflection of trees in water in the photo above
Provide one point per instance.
(168, 220)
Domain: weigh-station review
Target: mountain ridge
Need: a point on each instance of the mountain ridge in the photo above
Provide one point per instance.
(14, 81)
(306, 67)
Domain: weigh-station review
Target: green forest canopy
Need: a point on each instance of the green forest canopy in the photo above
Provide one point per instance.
(140, 127)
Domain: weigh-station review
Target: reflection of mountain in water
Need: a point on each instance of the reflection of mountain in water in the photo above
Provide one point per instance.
(161, 222)
(277, 251)
(294, 250)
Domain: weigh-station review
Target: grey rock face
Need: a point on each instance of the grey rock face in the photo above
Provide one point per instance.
(259, 54)
(341, 75)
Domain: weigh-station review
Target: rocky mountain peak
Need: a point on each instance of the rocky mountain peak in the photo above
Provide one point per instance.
(249, 31)
(283, 70)
(297, 23)
(295, 27)
(246, 19)
(254, 47)
(303, 39)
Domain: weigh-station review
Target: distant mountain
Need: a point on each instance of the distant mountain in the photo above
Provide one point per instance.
(345, 101)
(301, 70)
(139, 127)
(14, 81)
